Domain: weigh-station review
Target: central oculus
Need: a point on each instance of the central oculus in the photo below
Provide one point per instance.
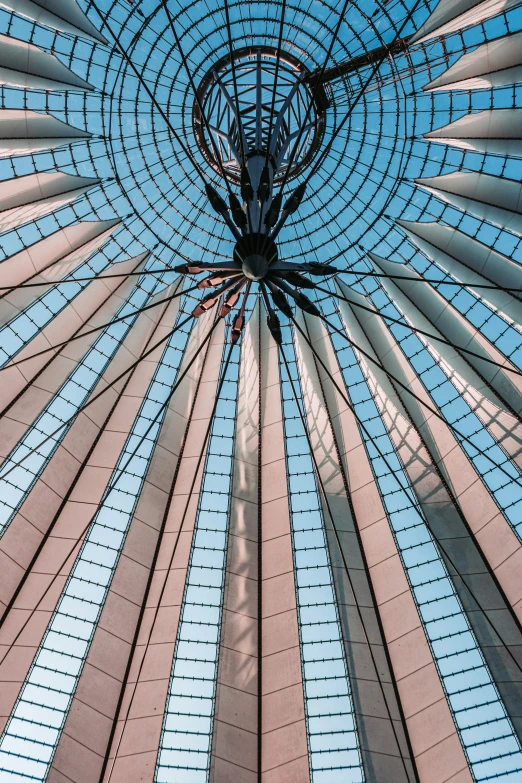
(258, 121)
(258, 118)
(269, 118)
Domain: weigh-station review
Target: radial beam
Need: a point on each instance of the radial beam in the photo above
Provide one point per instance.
(358, 62)
(360, 93)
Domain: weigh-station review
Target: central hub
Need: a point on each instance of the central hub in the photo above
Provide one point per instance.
(253, 104)
(255, 253)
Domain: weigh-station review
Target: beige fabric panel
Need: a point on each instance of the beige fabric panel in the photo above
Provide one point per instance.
(426, 309)
(493, 64)
(138, 731)
(64, 15)
(29, 197)
(93, 306)
(25, 534)
(494, 131)
(284, 751)
(497, 540)
(23, 132)
(49, 261)
(235, 731)
(22, 539)
(452, 15)
(438, 753)
(284, 742)
(82, 745)
(96, 699)
(380, 728)
(25, 65)
(486, 532)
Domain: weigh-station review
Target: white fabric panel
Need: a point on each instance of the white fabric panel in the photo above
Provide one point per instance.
(29, 197)
(25, 65)
(432, 313)
(499, 201)
(63, 245)
(96, 698)
(236, 731)
(63, 15)
(452, 15)
(49, 260)
(471, 262)
(495, 131)
(23, 131)
(492, 64)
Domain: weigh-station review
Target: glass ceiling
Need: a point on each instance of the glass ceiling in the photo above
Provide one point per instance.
(359, 183)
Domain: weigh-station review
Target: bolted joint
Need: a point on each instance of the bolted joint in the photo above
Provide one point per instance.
(237, 328)
(305, 304)
(321, 270)
(238, 213)
(206, 304)
(280, 300)
(247, 191)
(181, 269)
(294, 202)
(230, 301)
(295, 278)
(217, 203)
(263, 190)
(216, 279)
(273, 211)
(274, 326)
(291, 205)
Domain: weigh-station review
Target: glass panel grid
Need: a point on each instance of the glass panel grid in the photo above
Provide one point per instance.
(332, 735)
(499, 473)
(186, 740)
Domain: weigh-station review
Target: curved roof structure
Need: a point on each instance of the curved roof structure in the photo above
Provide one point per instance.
(261, 391)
